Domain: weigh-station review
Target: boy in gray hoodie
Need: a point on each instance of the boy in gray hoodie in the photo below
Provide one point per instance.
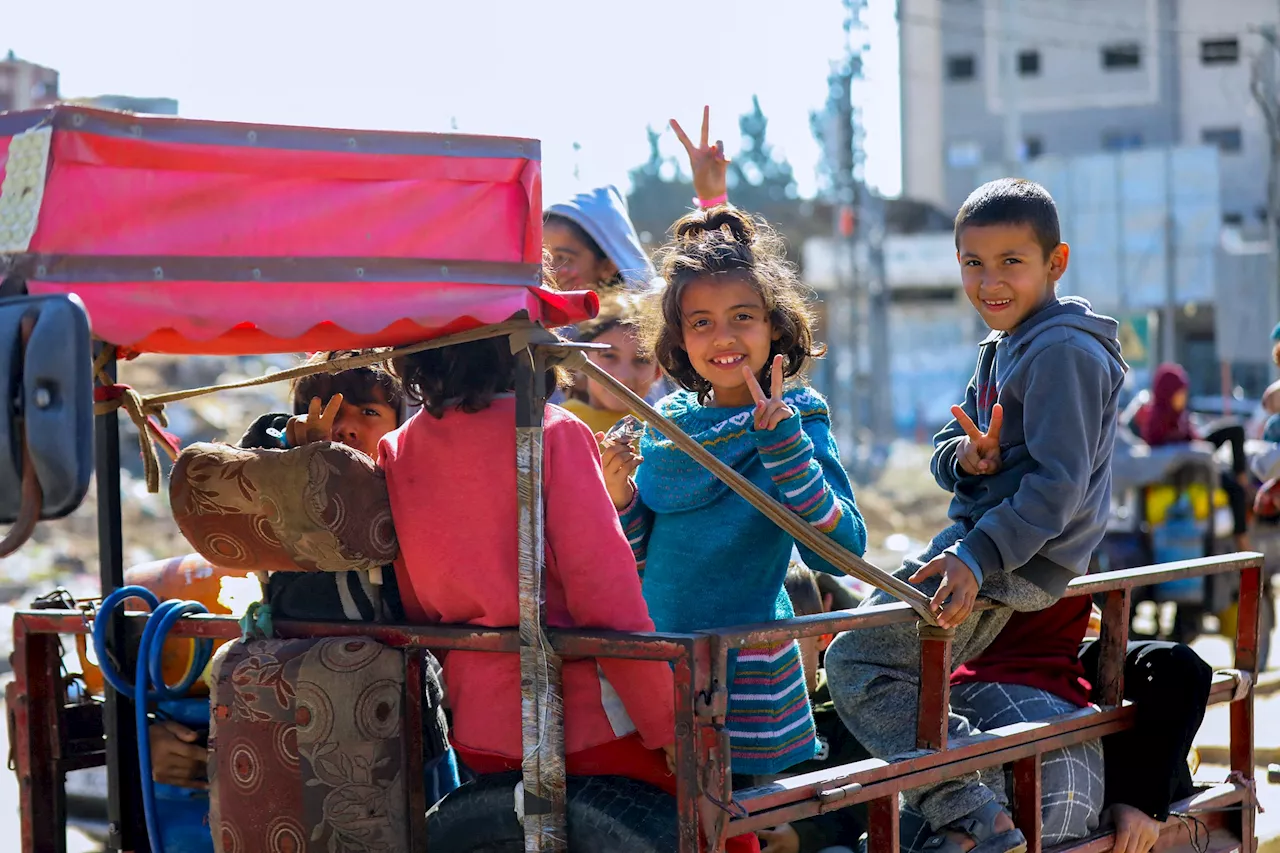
(1027, 458)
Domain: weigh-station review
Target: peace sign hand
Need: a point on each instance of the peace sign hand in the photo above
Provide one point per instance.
(979, 452)
(315, 425)
(707, 162)
(770, 411)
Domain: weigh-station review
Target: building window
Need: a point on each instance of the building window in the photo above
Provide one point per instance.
(1233, 219)
(962, 67)
(1032, 147)
(1225, 51)
(964, 155)
(1122, 56)
(1121, 140)
(1029, 63)
(1228, 140)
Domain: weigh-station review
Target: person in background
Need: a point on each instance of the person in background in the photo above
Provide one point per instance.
(618, 325)
(593, 244)
(1165, 420)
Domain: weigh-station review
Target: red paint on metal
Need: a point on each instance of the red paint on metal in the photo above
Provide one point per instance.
(1026, 799)
(883, 815)
(934, 704)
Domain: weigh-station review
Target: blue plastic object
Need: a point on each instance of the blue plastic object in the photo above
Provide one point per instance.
(184, 826)
(1179, 538)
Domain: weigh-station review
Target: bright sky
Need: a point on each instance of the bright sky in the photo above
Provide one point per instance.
(592, 72)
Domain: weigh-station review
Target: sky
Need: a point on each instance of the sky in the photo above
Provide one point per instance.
(591, 73)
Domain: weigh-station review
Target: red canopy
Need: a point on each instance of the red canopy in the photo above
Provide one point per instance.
(209, 237)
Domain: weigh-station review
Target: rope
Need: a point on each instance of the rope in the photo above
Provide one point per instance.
(147, 412)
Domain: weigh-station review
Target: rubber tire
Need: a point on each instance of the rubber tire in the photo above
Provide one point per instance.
(606, 814)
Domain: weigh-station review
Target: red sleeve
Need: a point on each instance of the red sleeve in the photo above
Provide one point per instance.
(598, 572)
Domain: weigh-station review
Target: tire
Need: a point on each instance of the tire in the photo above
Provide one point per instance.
(606, 814)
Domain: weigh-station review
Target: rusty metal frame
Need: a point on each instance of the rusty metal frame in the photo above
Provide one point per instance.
(693, 657)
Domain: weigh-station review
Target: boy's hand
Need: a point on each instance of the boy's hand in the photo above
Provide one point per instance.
(958, 584)
(176, 758)
(669, 752)
(780, 839)
(707, 162)
(979, 452)
(315, 425)
(770, 411)
(1136, 832)
(619, 461)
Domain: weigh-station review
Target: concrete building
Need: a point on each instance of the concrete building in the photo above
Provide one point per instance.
(1090, 76)
(1070, 94)
(25, 85)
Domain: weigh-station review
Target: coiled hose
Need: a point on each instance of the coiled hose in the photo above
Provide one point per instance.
(148, 684)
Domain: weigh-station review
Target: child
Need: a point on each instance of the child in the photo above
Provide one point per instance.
(593, 244)
(363, 405)
(732, 321)
(1028, 459)
(618, 325)
(452, 482)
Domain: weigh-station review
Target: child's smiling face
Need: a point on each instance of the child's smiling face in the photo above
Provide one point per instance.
(1005, 272)
(624, 363)
(726, 326)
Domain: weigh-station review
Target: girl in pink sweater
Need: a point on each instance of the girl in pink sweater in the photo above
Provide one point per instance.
(452, 479)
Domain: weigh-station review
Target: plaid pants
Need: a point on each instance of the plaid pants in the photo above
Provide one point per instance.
(1071, 778)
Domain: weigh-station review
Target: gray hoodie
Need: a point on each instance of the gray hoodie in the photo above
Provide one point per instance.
(1058, 376)
(602, 213)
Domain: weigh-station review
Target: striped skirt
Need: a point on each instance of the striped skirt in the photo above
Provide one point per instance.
(770, 722)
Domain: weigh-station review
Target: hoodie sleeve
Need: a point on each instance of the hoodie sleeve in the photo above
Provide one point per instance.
(945, 470)
(598, 574)
(1066, 394)
(804, 463)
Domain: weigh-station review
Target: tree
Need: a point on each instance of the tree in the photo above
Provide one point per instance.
(659, 192)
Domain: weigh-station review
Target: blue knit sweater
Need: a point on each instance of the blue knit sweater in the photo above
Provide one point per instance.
(710, 559)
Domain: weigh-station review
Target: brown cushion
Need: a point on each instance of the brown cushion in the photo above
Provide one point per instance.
(321, 506)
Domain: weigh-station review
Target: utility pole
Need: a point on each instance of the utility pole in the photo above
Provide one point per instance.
(1266, 94)
(1009, 87)
(1169, 313)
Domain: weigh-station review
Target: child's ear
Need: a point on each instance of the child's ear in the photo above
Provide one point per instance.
(1058, 259)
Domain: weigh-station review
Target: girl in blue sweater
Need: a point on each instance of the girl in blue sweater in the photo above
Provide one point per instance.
(732, 322)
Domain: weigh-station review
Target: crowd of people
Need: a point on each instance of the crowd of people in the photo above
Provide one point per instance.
(639, 537)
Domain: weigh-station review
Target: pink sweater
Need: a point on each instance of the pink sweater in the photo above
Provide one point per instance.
(453, 497)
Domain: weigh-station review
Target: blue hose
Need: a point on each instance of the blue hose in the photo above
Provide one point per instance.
(149, 685)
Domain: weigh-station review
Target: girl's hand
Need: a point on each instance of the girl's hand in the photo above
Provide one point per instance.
(176, 757)
(315, 425)
(707, 162)
(958, 592)
(1136, 832)
(619, 461)
(770, 411)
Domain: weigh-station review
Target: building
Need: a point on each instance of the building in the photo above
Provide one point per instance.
(1091, 76)
(25, 85)
(1105, 101)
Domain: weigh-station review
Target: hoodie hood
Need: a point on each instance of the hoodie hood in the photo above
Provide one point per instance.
(602, 213)
(1064, 312)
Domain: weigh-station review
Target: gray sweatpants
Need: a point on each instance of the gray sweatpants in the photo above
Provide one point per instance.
(1071, 778)
(874, 677)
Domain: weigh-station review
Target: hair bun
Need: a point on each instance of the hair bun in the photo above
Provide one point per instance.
(725, 218)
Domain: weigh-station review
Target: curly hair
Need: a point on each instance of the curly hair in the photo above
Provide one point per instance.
(725, 241)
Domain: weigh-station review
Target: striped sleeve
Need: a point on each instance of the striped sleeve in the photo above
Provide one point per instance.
(804, 464)
(637, 521)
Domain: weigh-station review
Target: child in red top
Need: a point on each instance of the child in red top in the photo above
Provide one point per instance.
(452, 480)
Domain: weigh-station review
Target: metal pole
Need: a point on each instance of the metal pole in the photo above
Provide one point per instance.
(542, 704)
(1009, 77)
(125, 827)
(1169, 314)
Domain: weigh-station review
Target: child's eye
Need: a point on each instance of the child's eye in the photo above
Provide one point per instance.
(371, 413)
(973, 262)
(744, 316)
(698, 324)
(1012, 261)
